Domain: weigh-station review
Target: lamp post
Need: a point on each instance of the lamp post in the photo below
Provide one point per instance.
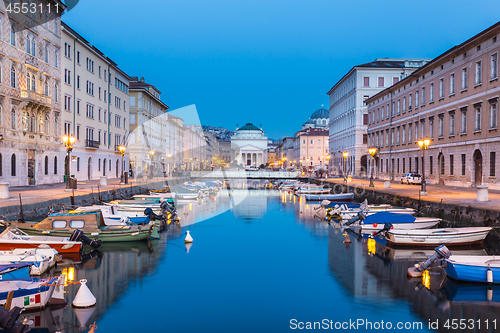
(68, 141)
(169, 156)
(372, 152)
(328, 165)
(191, 162)
(121, 149)
(345, 155)
(151, 153)
(423, 144)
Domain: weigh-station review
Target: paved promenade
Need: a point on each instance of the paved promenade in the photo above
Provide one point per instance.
(38, 193)
(460, 196)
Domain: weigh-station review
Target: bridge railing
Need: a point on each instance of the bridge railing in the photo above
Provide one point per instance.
(244, 174)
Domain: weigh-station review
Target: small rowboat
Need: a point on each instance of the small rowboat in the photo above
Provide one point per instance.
(343, 197)
(484, 269)
(312, 190)
(13, 238)
(41, 259)
(30, 294)
(435, 237)
(399, 221)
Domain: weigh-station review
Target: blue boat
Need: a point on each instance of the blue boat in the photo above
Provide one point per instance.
(470, 292)
(14, 271)
(483, 269)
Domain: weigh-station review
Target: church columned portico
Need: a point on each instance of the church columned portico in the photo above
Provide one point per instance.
(249, 146)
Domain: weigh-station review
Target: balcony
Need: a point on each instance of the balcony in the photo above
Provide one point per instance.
(31, 96)
(92, 144)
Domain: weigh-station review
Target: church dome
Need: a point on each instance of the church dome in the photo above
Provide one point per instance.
(249, 127)
(309, 121)
(320, 114)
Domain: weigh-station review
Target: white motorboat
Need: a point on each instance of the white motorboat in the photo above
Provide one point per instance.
(377, 221)
(32, 293)
(41, 258)
(435, 237)
(312, 190)
(341, 197)
(346, 213)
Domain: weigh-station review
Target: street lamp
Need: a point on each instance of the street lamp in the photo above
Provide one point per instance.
(328, 166)
(68, 141)
(121, 149)
(345, 154)
(151, 153)
(423, 144)
(169, 156)
(372, 152)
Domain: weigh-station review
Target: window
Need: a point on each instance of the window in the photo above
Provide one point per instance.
(441, 88)
(403, 136)
(464, 78)
(90, 111)
(13, 76)
(398, 135)
(59, 224)
(493, 114)
(90, 88)
(394, 81)
(78, 82)
(67, 50)
(78, 132)
(431, 167)
(105, 77)
(13, 165)
(422, 129)
(452, 124)
(409, 101)
(492, 163)
(366, 80)
(416, 164)
(463, 164)
(478, 76)
(106, 118)
(494, 66)
(56, 59)
(392, 136)
(99, 114)
(431, 93)
(78, 57)
(451, 164)
(90, 65)
(387, 109)
(441, 164)
(46, 124)
(12, 35)
(56, 92)
(67, 76)
(404, 165)
(99, 71)
(46, 89)
(78, 102)
(431, 127)
(78, 164)
(477, 118)
(55, 165)
(99, 92)
(46, 165)
(463, 128)
(67, 103)
(76, 224)
(67, 128)
(416, 99)
(381, 82)
(382, 117)
(409, 133)
(416, 131)
(452, 84)
(423, 96)
(404, 104)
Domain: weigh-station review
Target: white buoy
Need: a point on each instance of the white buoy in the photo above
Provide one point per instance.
(188, 247)
(83, 316)
(188, 238)
(84, 297)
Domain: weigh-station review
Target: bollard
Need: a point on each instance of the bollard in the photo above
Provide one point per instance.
(103, 181)
(482, 193)
(4, 191)
(387, 183)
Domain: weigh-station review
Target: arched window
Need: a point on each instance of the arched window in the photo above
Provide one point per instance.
(28, 80)
(56, 92)
(56, 126)
(33, 82)
(46, 165)
(55, 165)
(33, 48)
(13, 76)
(13, 165)
(45, 86)
(28, 44)
(46, 53)
(12, 35)
(13, 124)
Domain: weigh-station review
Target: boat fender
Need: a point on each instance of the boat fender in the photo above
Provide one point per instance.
(442, 252)
(489, 275)
(489, 294)
(188, 238)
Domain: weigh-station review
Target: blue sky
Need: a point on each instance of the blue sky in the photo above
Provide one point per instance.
(269, 62)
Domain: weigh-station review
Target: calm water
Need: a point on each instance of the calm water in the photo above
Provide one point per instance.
(254, 268)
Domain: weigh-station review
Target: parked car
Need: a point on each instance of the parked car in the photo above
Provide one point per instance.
(411, 178)
(251, 168)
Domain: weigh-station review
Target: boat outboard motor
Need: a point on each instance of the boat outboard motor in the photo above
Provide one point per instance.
(386, 228)
(442, 252)
(165, 206)
(360, 217)
(8, 320)
(149, 212)
(78, 236)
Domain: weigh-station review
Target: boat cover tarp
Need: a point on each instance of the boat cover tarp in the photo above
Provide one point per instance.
(6, 267)
(383, 217)
(347, 203)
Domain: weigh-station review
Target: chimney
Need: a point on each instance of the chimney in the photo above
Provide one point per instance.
(134, 79)
(142, 79)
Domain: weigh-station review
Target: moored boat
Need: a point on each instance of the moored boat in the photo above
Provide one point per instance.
(40, 259)
(342, 197)
(377, 221)
(91, 223)
(485, 269)
(434, 237)
(30, 294)
(12, 238)
(312, 190)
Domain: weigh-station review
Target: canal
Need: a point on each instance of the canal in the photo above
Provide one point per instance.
(261, 262)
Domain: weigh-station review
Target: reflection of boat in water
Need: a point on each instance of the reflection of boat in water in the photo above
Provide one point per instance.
(470, 292)
(418, 254)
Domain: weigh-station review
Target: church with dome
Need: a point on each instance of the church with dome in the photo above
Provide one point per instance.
(249, 145)
(319, 119)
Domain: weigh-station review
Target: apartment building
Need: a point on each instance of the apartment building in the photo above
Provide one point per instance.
(31, 149)
(95, 110)
(311, 149)
(149, 139)
(348, 112)
(453, 101)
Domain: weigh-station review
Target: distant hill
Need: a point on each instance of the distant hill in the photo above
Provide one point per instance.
(221, 132)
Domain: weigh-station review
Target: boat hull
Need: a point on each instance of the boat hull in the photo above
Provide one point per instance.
(435, 237)
(469, 272)
(59, 247)
(343, 197)
(429, 223)
(312, 191)
(34, 297)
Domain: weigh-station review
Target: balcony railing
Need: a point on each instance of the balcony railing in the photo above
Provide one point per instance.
(92, 144)
(31, 96)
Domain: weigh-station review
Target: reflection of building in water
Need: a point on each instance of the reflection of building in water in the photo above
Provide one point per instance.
(254, 206)
(347, 263)
(121, 263)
